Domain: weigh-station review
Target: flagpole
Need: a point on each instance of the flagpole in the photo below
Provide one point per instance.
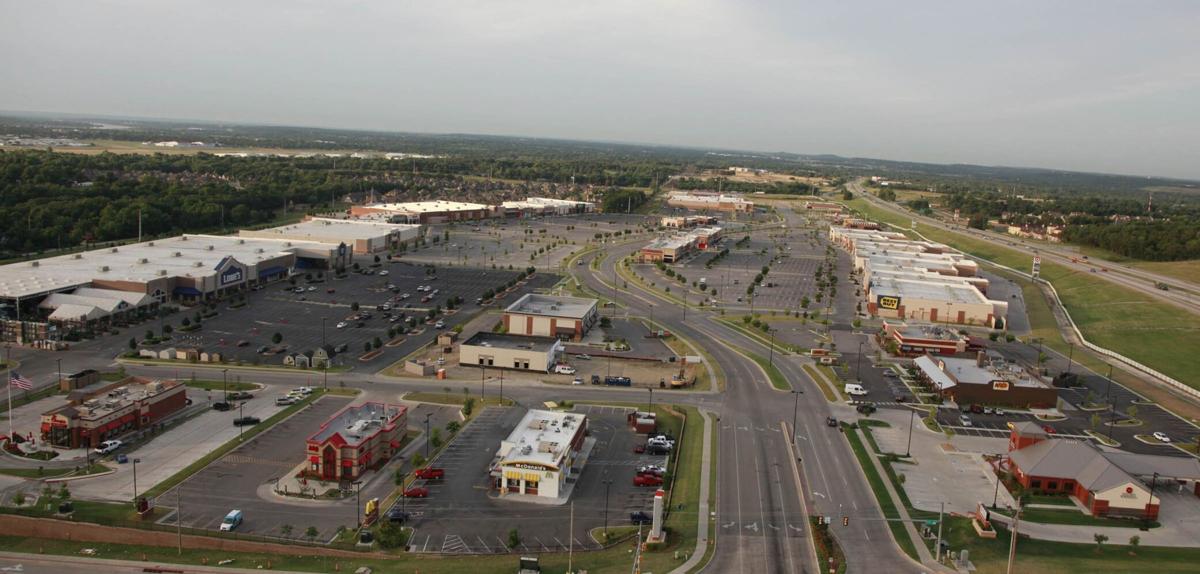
(8, 365)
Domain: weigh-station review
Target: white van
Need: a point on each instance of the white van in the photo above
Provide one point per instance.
(231, 521)
(564, 369)
(855, 389)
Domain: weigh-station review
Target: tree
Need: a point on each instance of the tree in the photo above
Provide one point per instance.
(167, 330)
(436, 438)
(1134, 541)
(1100, 540)
(286, 530)
(1095, 421)
(18, 499)
(391, 535)
(311, 533)
(514, 538)
(418, 460)
(132, 343)
(186, 322)
(277, 337)
(377, 343)
(452, 427)
(605, 322)
(367, 347)
(354, 306)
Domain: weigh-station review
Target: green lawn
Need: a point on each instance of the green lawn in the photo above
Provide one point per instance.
(1073, 517)
(1156, 334)
(53, 472)
(820, 382)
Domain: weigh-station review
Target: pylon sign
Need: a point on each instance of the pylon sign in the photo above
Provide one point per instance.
(1037, 266)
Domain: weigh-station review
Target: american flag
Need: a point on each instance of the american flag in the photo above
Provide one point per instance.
(15, 379)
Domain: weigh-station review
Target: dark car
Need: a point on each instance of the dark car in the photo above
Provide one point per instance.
(866, 408)
(246, 421)
(222, 406)
(830, 421)
(396, 515)
(658, 449)
(240, 396)
(640, 517)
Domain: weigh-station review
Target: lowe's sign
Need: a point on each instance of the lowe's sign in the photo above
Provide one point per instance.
(234, 274)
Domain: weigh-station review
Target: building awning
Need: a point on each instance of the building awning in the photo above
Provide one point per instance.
(269, 271)
(45, 428)
(394, 444)
(347, 462)
(314, 459)
(128, 418)
(532, 477)
(187, 291)
(512, 474)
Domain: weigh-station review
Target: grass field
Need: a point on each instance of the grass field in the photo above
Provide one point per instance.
(456, 398)
(1154, 333)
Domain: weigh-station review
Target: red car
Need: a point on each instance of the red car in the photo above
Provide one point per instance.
(331, 290)
(1049, 429)
(639, 448)
(430, 473)
(416, 492)
(647, 480)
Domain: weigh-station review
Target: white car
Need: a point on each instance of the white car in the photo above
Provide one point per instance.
(405, 296)
(577, 381)
(303, 391)
(439, 325)
(964, 420)
(107, 446)
(342, 324)
(312, 288)
(564, 369)
(286, 400)
(1162, 437)
(383, 271)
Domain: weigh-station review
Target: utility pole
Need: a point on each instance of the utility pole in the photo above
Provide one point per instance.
(607, 484)
(427, 436)
(571, 541)
(650, 402)
(996, 492)
(938, 555)
(1012, 544)
(795, 408)
(912, 414)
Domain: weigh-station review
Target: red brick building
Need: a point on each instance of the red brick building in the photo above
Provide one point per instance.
(356, 439)
(1105, 482)
(93, 416)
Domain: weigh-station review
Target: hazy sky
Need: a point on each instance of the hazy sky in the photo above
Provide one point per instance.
(1087, 85)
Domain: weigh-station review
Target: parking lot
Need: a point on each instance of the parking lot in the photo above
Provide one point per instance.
(305, 320)
(243, 479)
(505, 242)
(463, 515)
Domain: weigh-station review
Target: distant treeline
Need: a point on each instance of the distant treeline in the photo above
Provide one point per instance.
(1173, 240)
(789, 187)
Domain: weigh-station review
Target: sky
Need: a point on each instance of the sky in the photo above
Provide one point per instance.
(1089, 85)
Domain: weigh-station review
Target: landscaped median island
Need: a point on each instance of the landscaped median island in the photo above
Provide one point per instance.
(774, 375)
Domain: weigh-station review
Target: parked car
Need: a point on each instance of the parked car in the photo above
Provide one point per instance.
(977, 409)
(383, 271)
(583, 357)
(639, 448)
(1161, 436)
(657, 449)
(342, 324)
(396, 515)
(854, 389)
(577, 381)
(1049, 429)
(331, 291)
(1000, 412)
(222, 406)
(107, 447)
(866, 408)
(240, 396)
(647, 480)
(640, 517)
(564, 369)
(964, 420)
(285, 400)
(303, 390)
(439, 325)
(231, 520)
(246, 421)
(416, 492)
(652, 469)
(243, 343)
(430, 473)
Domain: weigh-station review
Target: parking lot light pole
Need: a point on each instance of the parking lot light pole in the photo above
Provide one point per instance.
(858, 363)
(427, 437)
(135, 461)
(241, 415)
(795, 409)
(912, 414)
(607, 483)
(482, 377)
(996, 492)
(1070, 357)
(358, 503)
(771, 349)
(225, 385)
(650, 403)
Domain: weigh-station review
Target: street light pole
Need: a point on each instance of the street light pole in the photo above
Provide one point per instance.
(1070, 357)
(650, 403)
(427, 436)
(912, 414)
(607, 483)
(241, 415)
(858, 363)
(795, 410)
(135, 461)
(358, 503)
(771, 349)
(996, 492)
(482, 377)
(225, 385)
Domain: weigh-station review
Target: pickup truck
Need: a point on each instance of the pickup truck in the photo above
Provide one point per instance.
(430, 473)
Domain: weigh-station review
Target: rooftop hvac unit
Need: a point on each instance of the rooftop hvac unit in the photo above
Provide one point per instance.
(103, 268)
(78, 256)
(143, 260)
(259, 250)
(208, 247)
(151, 244)
(177, 254)
(162, 272)
(198, 264)
(34, 264)
(113, 250)
(241, 241)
